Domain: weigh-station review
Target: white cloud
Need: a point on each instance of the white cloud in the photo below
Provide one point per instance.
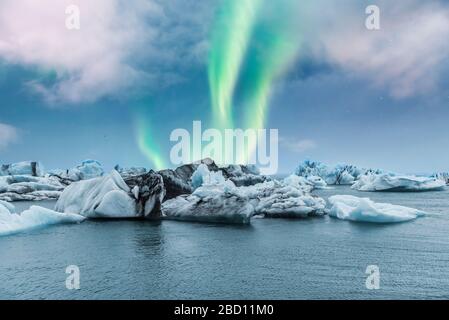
(297, 146)
(8, 135)
(120, 46)
(405, 56)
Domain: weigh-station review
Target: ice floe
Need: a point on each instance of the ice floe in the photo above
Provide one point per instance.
(352, 208)
(35, 217)
(387, 182)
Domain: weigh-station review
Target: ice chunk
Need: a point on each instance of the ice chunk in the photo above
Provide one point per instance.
(298, 182)
(35, 217)
(352, 208)
(88, 169)
(107, 196)
(209, 204)
(317, 182)
(277, 199)
(174, 184)
(243, 175)
(25, 187)
(202, 175)
(342, 174)
(387, 182)
(132, 171)
(444, 176)
(111, 197)
(224, 202)
(31, 168)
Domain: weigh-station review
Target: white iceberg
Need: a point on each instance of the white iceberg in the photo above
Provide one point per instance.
(129, 172)
(317, 182)
(444, 176)
(34, 217)
(202, 175)
(298, 182)
(88, 169)
(111, 197)
(26, 187)
(352, 208)
(210, 203)
(342, 174)
(218, 200)
(214, 200)
(386, 182)
(276, 199)
(31, 168)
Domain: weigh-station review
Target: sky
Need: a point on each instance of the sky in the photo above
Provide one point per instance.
(114, 89)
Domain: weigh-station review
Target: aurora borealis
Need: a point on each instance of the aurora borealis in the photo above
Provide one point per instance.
(243, 39)
(231, 36)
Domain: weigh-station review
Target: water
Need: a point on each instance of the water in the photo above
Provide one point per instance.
(317, 258)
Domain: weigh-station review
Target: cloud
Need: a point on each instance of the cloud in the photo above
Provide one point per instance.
(121, 46)
(404, 56)
(8, 135)
(297, 146)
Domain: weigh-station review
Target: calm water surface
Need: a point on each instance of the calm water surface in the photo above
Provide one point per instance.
(317, 258)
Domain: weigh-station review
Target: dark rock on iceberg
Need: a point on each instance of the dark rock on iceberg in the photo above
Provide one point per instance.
(110, 196)
(148, 190)
(179, 181)
(174, 184)
(185, 171)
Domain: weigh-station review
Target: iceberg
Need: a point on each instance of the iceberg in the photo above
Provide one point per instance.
(387, 182)
(31, 168)
(444, 176)
(181, 180)
(132, 171)
(213, 200)
(275, 199)
(243, 175)
(209, 203)
(299, 182)
(219, 200)
(342, 174)
(31, 188)
(352, 208)
(317, 182)
(202, 175)
(34, 217)
(174, 184)
(111, 196)
(88, 169)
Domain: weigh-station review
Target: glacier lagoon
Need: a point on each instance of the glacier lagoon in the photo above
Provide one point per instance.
(315, 258)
